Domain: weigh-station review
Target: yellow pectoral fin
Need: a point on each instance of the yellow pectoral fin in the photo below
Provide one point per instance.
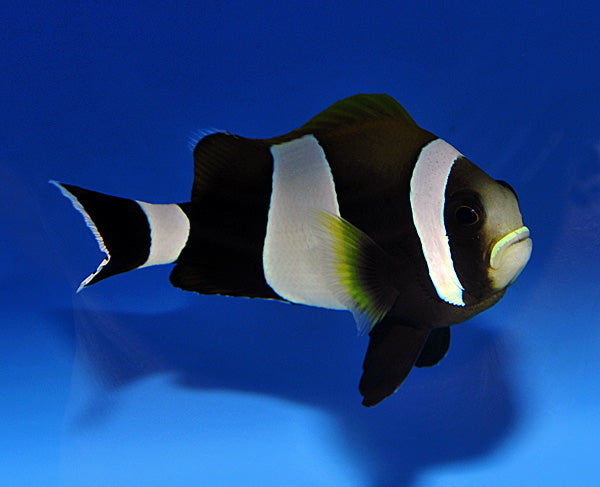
(354, 265)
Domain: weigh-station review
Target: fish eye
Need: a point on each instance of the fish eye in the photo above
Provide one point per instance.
(467, 216)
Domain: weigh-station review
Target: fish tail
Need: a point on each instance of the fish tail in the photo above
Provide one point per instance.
(132, 234)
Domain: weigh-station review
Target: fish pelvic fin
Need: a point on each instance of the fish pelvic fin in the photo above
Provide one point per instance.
(393, 350)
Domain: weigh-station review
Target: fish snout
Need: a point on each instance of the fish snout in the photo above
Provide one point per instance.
(508, 257)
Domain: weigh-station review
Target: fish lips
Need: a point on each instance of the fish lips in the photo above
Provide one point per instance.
(508, 257)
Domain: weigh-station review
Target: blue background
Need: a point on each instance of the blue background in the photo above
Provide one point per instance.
(133, 382)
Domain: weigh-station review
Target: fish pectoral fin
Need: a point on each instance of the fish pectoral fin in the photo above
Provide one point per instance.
(435, 348)
(393, 350)
(358, 271)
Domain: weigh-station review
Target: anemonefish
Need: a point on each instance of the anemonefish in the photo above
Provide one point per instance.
(359, 209)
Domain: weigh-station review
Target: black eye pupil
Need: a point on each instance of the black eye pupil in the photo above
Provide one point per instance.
(465, 215)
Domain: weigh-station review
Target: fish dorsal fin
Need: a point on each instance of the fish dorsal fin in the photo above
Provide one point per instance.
(357, 271)
(358, 109)
(225, 162)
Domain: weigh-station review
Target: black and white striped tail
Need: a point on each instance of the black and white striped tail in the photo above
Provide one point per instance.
(132, 234)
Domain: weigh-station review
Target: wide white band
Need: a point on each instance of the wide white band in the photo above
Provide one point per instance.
(169, 232)
(427, 199)
(302, 183)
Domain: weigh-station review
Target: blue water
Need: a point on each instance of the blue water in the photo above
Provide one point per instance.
(133, 382)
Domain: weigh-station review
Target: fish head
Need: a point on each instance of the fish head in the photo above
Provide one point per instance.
(509, 243)
(490, 244)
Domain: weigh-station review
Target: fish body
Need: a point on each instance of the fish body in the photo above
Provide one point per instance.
(358, 209)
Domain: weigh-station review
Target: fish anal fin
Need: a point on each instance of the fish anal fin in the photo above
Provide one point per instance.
(393, 350)
(435, 348)
(207, 280)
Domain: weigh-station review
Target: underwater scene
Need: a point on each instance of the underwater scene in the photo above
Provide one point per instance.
(482, 123)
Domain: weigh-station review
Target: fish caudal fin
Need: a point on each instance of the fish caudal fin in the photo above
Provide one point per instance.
(132, 234)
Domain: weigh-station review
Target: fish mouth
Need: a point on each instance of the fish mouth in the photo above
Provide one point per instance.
(509, 256)
(501, 247)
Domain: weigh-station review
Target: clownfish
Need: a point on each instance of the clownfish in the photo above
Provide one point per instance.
(359, 209)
